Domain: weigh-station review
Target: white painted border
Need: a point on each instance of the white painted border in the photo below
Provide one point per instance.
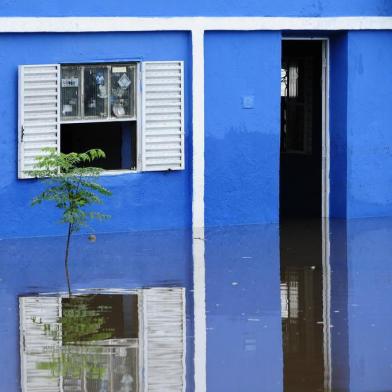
(326, 152)
(199, 309)
(105, 24)
(326, 131)
(327, 339)
(198, 238)
(198, 128)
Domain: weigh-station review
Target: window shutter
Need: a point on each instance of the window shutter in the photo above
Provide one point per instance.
(36, 345)
(39, 114)
(164, 339)
(162, 115)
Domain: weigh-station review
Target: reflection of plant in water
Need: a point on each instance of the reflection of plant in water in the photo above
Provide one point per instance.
(79, 327)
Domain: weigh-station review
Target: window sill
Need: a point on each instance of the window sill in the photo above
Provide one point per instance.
(98, 120)
(117, 172)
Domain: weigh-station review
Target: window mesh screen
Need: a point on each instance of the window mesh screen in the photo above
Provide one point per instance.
(98, 92)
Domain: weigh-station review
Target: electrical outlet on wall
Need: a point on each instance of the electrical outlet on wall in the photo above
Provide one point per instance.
(248, 102)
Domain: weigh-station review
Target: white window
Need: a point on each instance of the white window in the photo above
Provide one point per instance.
(132, 111)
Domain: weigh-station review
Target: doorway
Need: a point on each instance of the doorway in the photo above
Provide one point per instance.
(303, 166)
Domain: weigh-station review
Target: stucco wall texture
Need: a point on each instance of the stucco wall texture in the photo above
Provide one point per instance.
(140, 201)
(192, 8)
(369, 129)
(241, 143)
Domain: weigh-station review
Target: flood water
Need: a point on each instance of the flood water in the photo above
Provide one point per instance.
(304, 306)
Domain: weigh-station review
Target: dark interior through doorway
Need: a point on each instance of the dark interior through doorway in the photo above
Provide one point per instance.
(301, 129)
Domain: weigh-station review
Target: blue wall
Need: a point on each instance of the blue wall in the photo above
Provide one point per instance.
(190, 7)
(242, 144)
(369, 119)
(140, 201)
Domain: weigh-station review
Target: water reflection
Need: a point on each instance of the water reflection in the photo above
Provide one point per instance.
(302, 307)
(244, 333)
(131, 261)
(104, 343)
(320, 322)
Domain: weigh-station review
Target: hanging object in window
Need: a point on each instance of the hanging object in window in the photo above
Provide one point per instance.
(122, 82)
(97, 92)
(70, 93)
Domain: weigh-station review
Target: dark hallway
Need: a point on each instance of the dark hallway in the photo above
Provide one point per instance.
(301, 129)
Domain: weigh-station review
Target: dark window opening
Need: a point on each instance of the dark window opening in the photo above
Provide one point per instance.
(99, 317)
(301, 129)
(116, 139)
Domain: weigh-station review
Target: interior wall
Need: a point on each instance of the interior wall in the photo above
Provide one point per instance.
(242, 127)
(140, 201)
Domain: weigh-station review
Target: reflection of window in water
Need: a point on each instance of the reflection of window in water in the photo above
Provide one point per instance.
(101, 336)
(289, 297)
(99, 343)
(297, 307)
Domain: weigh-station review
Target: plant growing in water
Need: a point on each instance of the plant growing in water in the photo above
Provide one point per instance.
(71, 186)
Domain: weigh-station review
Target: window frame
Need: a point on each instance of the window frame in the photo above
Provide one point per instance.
(136, 118)
(160, 115)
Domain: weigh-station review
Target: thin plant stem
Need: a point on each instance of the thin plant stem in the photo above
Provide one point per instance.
(66, 259)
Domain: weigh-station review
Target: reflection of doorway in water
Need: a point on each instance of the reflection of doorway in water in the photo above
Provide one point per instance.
(302, 90)
(305, 306)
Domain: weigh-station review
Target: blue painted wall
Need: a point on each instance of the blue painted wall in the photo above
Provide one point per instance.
(123, 261)
(244, 330)
(142, 201)
(189, 7)
(369, 119)
(242, 144)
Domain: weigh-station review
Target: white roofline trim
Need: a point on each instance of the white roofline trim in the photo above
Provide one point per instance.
(129, 24)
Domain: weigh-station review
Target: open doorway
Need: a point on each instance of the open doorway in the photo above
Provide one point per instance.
(303, 129)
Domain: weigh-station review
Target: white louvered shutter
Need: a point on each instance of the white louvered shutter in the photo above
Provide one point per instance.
(164, 339)
(37, 347)
(162, 115)
(39, 114)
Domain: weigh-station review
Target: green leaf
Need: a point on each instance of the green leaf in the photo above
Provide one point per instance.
(70, 184)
